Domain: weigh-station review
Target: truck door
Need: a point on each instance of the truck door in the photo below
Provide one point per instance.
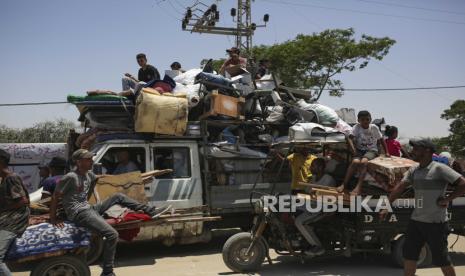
(182, 188)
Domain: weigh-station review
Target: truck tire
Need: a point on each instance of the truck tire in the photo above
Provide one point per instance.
(424, 260)
(62, 265)
(95, 249)
(234, 253)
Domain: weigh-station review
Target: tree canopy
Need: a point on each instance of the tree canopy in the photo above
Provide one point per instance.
(314, 61)
(456, 140)
(43, 132)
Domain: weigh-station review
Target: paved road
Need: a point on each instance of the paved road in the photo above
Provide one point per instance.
(149, 258)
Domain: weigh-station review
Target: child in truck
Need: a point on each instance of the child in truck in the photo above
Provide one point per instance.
(367, 137)
(393, 146)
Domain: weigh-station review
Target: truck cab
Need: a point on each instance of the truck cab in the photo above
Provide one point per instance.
(181, 188)
(195, 181)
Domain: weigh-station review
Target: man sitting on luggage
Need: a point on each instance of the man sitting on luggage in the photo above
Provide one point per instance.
(75, 189)
(263, 68)
(147, 72)
(234, 62)
(302, 222)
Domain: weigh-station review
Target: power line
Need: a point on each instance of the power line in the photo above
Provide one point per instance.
(174, 8)
(177, 2)
(410, 7)
(40, 103)
(369, 13)
(166, 10)
(401, 89)
(303, 16)
(383, 66)
(327, 89)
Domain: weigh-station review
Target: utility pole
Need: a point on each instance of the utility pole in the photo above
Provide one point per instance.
(201, 18)
(244, 10)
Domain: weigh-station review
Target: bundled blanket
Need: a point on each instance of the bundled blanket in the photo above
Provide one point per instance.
(46, 238)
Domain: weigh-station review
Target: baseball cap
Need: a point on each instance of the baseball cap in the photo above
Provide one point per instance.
(233, 50)
(423, 142)
(81, 154)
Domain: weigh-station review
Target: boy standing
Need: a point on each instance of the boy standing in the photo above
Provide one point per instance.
(366, 136)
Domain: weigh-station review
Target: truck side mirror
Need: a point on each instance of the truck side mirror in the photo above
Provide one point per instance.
(97, 168)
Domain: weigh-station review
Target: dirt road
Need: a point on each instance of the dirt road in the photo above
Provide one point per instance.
(149, 258)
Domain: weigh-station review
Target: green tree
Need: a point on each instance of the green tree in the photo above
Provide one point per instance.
(314, 61)
(43, 132)
(217, 63)
(456, 140)
(442, 143)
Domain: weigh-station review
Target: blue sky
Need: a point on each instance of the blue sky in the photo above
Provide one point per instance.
(49, 49)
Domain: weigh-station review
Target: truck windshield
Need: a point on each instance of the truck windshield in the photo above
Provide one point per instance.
(96, 148)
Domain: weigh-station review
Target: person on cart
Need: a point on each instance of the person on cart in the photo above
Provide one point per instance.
(366, 137)
(303, 221)
(57, 167)
(14, 209)
(75, 189)
(428, 222)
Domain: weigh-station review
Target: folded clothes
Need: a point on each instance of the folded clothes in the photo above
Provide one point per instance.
(46, 238)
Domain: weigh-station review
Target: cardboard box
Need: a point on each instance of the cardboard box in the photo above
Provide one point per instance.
(225, 105)
(387, 172)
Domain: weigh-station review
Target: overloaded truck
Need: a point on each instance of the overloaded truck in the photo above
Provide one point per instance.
(210, 190)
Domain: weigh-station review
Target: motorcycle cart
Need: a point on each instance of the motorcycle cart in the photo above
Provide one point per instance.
(341, 234)
(51, 251)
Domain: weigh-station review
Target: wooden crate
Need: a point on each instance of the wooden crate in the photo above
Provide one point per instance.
(225, 105)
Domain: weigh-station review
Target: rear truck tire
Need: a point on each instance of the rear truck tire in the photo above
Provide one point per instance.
(424, 259)
(95, 249)
(62, 265)
(234, 253)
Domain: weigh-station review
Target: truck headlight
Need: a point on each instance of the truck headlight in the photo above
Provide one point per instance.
(258, 206)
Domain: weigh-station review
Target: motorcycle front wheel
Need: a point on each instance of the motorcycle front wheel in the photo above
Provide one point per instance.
(235, 257)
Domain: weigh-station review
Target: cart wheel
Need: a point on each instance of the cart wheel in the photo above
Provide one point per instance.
(62, 266)
(95, 249)
(234, 253)
(424, 259)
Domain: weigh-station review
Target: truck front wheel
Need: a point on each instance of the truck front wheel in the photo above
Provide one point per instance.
(235, 257)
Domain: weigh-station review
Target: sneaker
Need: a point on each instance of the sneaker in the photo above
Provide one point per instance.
(108, 274)
(156, 212)
(315, 251)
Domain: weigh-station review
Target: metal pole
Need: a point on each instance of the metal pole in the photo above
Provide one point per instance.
(248, 19)
(239, 24)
